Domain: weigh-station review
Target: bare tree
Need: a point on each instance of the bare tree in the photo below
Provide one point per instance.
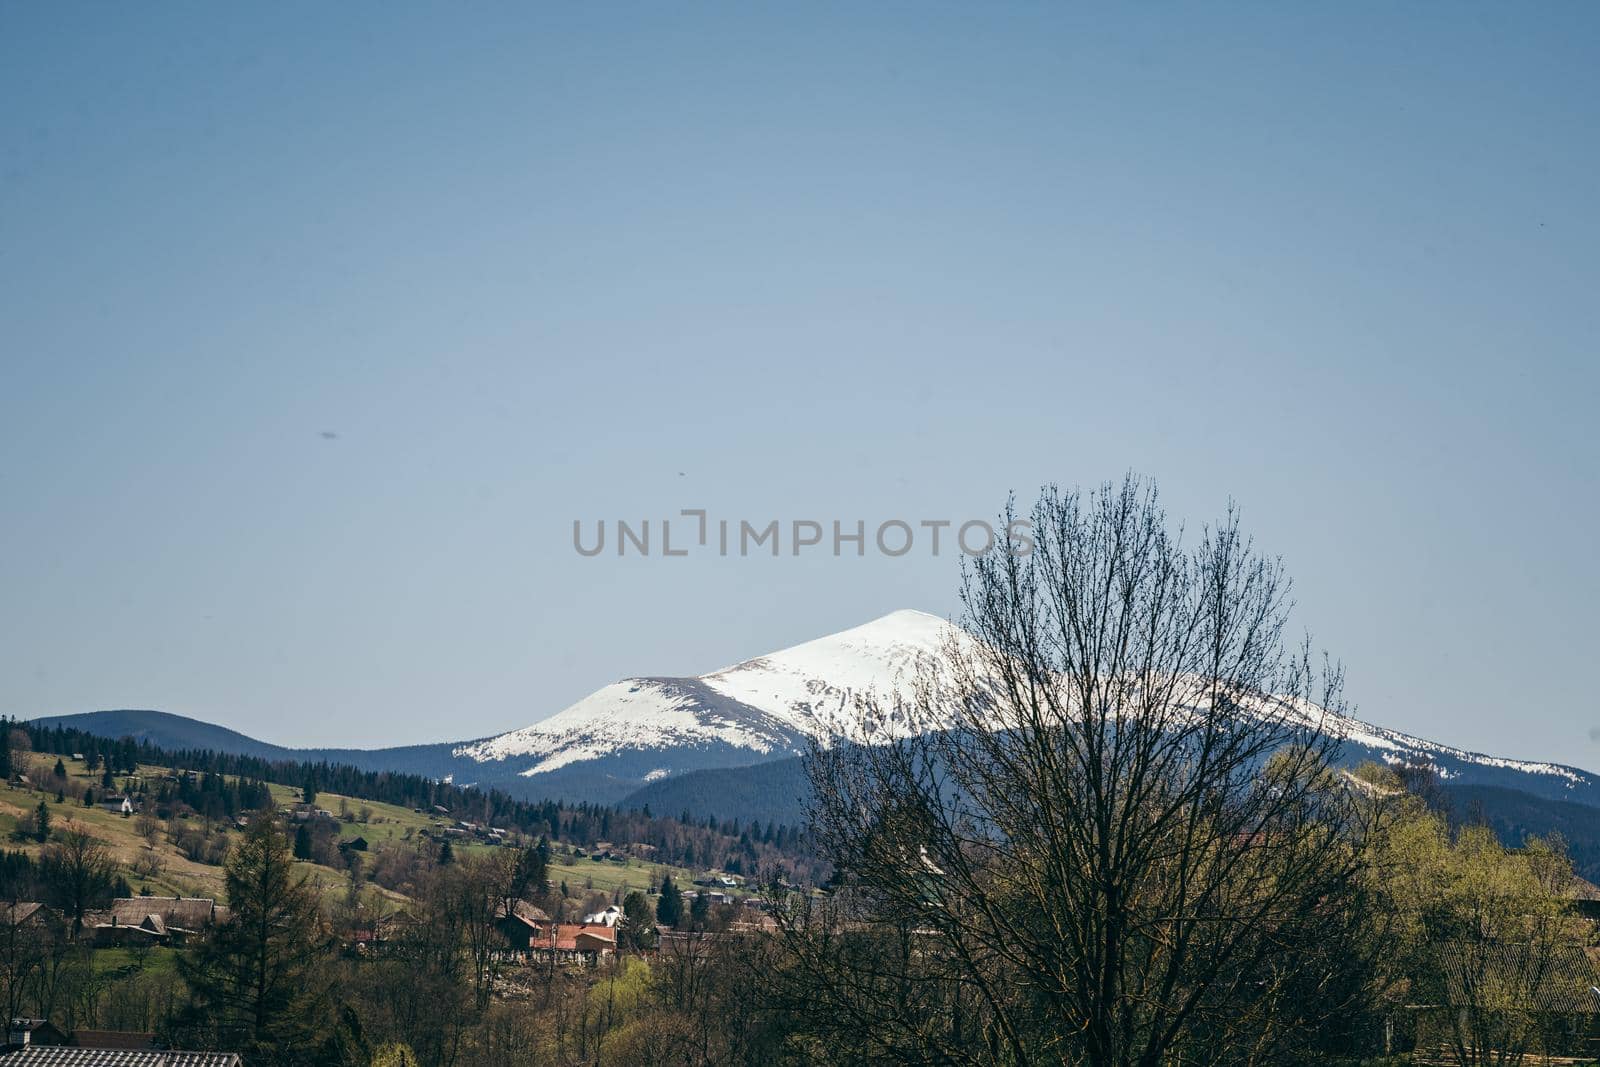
(79, 874)
(27, 941)
(1105, 831)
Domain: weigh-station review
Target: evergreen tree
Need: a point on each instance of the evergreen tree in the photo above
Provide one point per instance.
(634, 929)
(61, 768)
(447, 855)
(700, 910)
(302, 842)
(41, 821)
(669, 906)
(107, 780)
(258, 983)
(544, 863)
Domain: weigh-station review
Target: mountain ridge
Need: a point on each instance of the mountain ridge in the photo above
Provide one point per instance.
(638, 732)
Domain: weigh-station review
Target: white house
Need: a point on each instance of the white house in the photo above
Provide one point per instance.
(608, 917)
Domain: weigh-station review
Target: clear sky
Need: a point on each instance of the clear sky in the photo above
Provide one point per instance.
(321, 323)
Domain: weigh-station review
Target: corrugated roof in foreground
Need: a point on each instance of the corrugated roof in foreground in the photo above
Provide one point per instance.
(65, 1056)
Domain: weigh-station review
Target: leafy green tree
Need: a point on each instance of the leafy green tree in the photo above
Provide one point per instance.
(396, 1055)
(259, 983)
(669, 906)
(1477, 927)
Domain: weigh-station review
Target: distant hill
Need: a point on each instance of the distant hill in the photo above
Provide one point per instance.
(1515, 816)
(775, 791)
(168, 731)
(766, 792)
(177, 732)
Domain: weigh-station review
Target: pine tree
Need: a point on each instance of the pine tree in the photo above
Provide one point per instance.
(61, 768)
(700, 910)
(302, 842)
(108, 781)
(635, 929)
(543, 852)
(41, 821)
(258, 983)
(447, 855)
(669, 906)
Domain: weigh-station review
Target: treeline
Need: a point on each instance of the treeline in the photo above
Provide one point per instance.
(213, 796)
(60, 878)
(221, 784)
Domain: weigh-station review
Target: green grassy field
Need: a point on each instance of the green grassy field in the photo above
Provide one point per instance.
(179, 875)
(385, 824)
(156, 960)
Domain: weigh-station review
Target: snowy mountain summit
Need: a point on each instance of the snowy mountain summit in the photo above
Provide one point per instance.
(640, 730)
(762, 708)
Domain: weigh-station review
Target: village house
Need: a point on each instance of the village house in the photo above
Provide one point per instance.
(377, 935)
(522, 924)
(610, 917)
(714, 896)
(27, 915)
(308, 814)
(582, 945)
(22, 1033)
(116, 802)
(154, 920)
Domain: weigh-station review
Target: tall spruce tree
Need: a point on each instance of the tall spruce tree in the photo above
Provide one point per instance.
(259, 984)
(669, 906)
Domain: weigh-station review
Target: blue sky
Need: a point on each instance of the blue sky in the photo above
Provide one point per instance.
(537, 264)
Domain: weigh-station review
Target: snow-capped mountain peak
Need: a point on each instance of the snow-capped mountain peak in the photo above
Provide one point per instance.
(766, 706)
(774, 705)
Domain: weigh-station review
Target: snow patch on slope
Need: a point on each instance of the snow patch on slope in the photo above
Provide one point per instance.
(815, 686)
